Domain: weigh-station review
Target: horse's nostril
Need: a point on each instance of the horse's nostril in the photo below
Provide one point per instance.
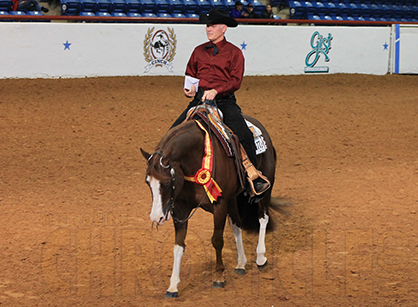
(161, 219)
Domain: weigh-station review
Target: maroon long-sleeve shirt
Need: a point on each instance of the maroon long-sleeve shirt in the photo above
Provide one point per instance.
(222, 72)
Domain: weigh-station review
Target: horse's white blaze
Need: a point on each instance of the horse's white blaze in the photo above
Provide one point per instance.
(175, 275)
(157, 215)
(261, 247)
(242, 260)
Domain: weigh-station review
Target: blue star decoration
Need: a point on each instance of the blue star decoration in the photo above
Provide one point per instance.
(243, 46)
(385, 46)
(67, 45)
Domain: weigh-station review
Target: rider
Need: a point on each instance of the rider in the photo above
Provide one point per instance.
(219, 65)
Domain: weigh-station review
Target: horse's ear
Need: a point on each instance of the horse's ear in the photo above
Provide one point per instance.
(145, 154)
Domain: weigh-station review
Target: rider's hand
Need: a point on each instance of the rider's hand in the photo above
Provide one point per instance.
(209, 95)
(190, 93)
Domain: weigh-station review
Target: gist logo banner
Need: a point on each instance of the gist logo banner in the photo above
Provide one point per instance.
(321, 45)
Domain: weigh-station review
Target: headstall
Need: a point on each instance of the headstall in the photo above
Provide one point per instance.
(172, 179)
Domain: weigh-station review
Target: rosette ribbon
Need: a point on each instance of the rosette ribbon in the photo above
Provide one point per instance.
(204, 175)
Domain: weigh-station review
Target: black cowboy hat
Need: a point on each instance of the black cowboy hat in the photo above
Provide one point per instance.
(217, 16)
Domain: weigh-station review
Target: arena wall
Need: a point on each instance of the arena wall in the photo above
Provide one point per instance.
(404, 45)
(53, 50)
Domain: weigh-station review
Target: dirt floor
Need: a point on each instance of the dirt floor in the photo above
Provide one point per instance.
(75, 226)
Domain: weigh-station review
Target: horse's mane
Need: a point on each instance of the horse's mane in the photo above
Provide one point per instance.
(172, 145)
(172, 133)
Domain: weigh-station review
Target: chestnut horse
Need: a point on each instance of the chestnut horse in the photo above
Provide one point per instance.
(178, 155)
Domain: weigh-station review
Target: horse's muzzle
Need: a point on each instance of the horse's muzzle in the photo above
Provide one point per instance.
(160, 220)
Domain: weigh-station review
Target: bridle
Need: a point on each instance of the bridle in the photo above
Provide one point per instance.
(172, 180)
(172, 189)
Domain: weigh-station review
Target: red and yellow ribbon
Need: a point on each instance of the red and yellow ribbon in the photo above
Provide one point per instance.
(204, 175)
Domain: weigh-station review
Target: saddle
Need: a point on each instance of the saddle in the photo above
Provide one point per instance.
(212, 116)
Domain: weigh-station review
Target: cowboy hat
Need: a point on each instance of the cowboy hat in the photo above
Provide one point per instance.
(217, 16)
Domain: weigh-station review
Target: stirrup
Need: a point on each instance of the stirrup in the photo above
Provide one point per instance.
(253, 174)
(262, 180)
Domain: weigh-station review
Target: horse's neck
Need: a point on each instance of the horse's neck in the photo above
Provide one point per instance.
(183, 141)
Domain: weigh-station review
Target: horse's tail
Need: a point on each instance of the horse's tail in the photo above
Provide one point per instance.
(280, 205)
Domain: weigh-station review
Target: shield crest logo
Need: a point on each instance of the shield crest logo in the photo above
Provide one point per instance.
(160, 48)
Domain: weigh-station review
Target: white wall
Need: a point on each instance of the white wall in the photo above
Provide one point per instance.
(33, 50)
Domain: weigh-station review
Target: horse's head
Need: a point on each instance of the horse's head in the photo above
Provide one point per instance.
(161, 177)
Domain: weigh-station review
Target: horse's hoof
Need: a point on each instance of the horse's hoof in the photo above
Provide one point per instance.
(239, 271)
(218, 284)
(171, 294)
(263, 266)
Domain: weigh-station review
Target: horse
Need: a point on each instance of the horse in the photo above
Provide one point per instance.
(177, 158)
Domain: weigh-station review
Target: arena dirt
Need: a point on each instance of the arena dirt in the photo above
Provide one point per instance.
(75, 226)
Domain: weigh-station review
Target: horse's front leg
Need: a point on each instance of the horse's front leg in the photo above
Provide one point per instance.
(178, 251)
(261, 247)
(219, 217)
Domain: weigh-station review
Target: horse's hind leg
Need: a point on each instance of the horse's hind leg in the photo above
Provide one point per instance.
(261, 247)
(219, 217)
(242, 260)
(178, 251)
